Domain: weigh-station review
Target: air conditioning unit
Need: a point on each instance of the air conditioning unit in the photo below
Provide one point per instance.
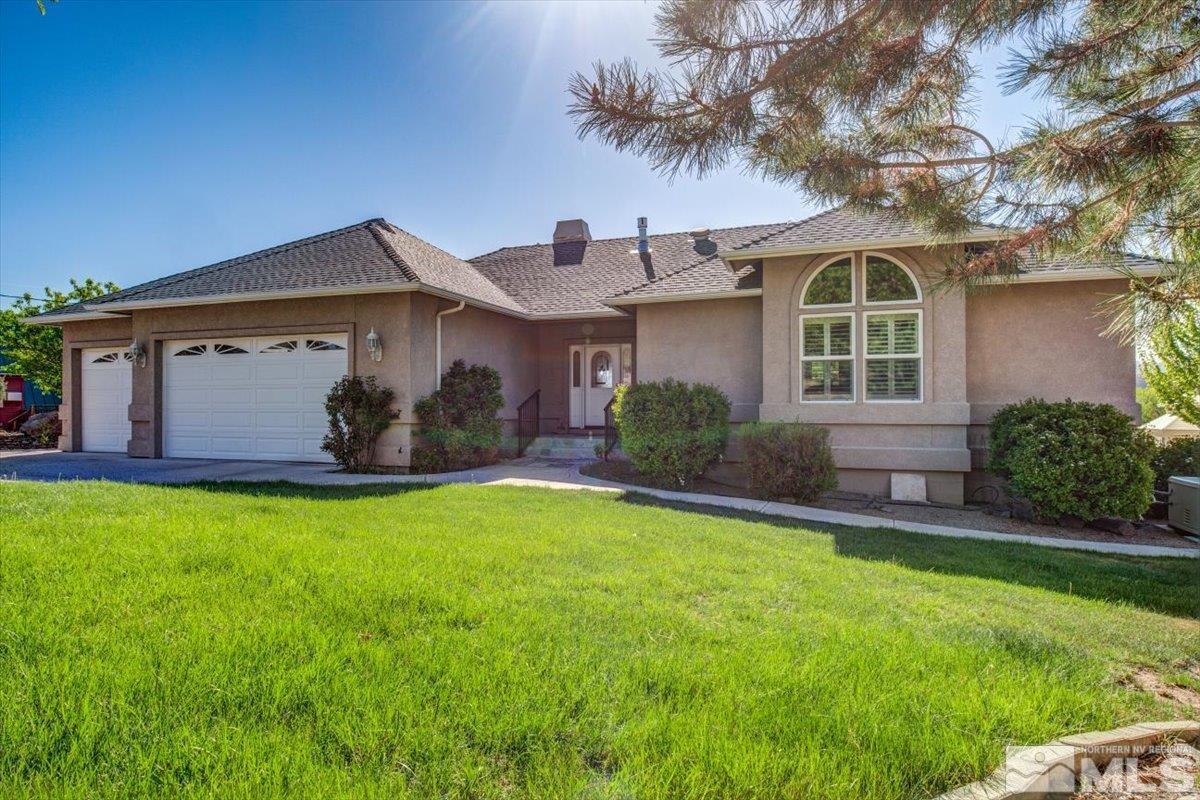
(1183, 504)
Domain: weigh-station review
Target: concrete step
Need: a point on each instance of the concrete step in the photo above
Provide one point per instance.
(572, 448)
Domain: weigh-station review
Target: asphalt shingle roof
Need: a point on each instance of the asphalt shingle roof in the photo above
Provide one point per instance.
(1030, 264)
(842, 224)
(370, 254)
(577, 277)
(538, 280)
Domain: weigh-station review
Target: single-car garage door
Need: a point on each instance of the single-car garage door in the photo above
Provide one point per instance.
(106, 392)
(260, 398)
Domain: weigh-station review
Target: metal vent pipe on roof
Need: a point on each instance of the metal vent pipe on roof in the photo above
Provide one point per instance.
(643, 244)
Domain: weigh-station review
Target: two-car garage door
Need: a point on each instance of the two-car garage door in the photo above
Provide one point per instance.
(253, 398)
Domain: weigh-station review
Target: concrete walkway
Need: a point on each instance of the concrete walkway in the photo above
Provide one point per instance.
(51, 465)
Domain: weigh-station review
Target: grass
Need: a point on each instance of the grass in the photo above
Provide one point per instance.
(263, 641)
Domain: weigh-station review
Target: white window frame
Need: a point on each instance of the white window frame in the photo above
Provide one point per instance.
(819, 270)
(874, 303)
(919, 355)
(852, 357)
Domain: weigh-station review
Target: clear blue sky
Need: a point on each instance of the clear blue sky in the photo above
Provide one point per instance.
(137, 140)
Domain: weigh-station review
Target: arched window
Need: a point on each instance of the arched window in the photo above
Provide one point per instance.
(602, 375)
(833, 312)
(888, 281)
(831, 285)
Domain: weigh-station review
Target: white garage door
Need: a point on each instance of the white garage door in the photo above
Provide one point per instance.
(260, 398)
(107, 390)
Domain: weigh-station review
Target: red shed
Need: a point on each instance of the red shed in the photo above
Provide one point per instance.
(12, 395)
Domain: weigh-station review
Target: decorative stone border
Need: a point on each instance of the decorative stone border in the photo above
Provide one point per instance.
(1038, 773)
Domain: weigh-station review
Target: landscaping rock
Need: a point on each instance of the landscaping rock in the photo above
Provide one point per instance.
(1071, 521)
(1022, 509)
(1115, 525)
(32, 425)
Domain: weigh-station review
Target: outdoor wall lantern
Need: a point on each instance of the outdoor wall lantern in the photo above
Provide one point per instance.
(136, 354)
(374, 346)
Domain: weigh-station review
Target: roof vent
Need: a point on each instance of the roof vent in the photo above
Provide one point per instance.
(701, 243)
(643, 244)
(571, 230)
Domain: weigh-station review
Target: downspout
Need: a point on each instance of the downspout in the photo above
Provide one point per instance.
(438, 336)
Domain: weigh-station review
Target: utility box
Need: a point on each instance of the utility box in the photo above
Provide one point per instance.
(1183, 504)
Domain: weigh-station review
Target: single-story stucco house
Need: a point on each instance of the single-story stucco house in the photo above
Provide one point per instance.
(831, 320)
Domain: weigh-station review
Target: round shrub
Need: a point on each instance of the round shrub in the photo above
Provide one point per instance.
(671, 431)
(1177, 457)
(1079, 459)
(459, 425)
(788, 459)
(359, 410)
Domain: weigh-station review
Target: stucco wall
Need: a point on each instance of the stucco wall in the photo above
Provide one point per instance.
(1042, 340)
(1045, 340)
(872, 439)
(507, 344)
(709, 341)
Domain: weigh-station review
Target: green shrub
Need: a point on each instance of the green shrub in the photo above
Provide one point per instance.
(359, 411)
(788, 459)
(459, 426)
(1080, 459)
(671, 431)
(1179, 457)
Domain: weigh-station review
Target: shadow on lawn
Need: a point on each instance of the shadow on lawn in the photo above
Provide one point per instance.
(305, 491)
(1164, 585)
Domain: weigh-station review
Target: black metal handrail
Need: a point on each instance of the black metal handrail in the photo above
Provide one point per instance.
(610, 429)
(529, 415)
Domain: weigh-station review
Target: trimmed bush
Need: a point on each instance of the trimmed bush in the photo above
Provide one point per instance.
(1080, 459)
(459, 425)
(672, 431)
(788, 459)
(359, 411)
(1178, 457)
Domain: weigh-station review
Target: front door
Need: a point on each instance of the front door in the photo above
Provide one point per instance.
(594, 371)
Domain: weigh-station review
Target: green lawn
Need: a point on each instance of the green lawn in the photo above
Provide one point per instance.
(460, 641)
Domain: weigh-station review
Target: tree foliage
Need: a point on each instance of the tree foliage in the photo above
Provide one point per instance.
(36, 350)
(1173, 369)
(867, 102)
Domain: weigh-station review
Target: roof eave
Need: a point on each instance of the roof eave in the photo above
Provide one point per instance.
(293, 294)
(1096, 274)
(755, 253)
(248, 297)
(682, 297)
(55, 319)
(569, 315)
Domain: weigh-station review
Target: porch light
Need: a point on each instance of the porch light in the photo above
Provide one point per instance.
(136, 354)
(374, 346)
